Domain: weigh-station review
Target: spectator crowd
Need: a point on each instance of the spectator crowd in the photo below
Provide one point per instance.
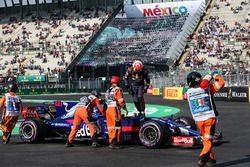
(46, 43)
(222, 41)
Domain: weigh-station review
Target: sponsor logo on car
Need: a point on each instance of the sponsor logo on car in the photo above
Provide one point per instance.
(60, 124)
(70, 112)
(31, 113)
(83, 132)
(179, 140)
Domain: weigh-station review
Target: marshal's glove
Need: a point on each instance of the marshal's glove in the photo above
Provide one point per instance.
(208, 77)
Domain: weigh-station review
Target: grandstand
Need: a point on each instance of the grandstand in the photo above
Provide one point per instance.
(41, 41)
(221, 41)
(148, 38)
(87, 40)
(46, 42)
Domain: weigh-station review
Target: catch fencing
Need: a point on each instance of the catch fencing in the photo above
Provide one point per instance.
(178, 78)
(162, 79)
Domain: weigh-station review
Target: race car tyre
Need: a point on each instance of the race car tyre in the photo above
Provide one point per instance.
(154, 134)
(32, 131)
(187, 122)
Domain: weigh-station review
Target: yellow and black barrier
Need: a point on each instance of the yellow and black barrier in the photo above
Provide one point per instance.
(173, 93)
(234, 94)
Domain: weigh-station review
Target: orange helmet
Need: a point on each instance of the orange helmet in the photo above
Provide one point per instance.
(115, 79)
(137, 65)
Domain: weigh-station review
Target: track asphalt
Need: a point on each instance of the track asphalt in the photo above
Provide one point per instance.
(234, 122)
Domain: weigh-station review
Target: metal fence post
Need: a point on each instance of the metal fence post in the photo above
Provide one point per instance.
(69, 78)
(80, 82)
(248, 82)
(88, 83)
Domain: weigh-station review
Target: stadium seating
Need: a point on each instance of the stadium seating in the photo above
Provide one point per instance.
(46, 43)
(222, 40)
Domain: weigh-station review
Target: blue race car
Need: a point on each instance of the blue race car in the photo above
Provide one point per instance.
(55, 121)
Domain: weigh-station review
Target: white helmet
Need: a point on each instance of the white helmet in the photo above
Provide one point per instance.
(137, 65)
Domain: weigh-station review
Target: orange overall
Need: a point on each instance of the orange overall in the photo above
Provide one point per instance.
(115, 102)
(207, 127)
(83, 113)
(12, 106)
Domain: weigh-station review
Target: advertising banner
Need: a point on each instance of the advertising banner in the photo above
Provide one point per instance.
(156, 91)
(240, 94)
(53, 79)
(163, 9)
(31, 78)
(222, 95)
(173, 93)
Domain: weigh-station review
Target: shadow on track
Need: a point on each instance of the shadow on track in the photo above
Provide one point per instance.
(235, 162)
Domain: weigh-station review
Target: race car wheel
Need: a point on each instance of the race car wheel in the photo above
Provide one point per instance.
(32, 131)
(187, 122)
(153, 134)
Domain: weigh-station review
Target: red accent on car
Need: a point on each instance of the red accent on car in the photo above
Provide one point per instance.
(130, 128)
(29, 112)
(183, 141)
(58, 104)
(69, 121)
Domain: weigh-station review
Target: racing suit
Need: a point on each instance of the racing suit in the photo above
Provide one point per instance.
(83, 113)
(204, 112)
(135, 83)
(115, 102)
(12, 107)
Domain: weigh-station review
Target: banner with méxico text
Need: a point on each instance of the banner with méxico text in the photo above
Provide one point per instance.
(173, 93)
(164, 9)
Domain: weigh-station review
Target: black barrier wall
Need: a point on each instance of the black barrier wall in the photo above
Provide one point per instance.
(240, 94)
(222, 95)
(237, 94)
